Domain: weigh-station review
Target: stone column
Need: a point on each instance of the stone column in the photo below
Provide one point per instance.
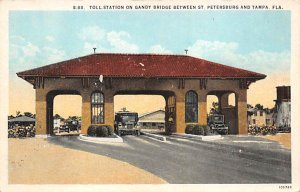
(86, 111)
(41, 112)
(223, 99)
(202, 105)
(180, 111)
(242, 111)
(109, 115)
(50, 120)
(230, 114)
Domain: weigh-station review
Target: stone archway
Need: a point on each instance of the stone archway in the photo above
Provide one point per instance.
(49, 106)
(170, 105)
(230, 112)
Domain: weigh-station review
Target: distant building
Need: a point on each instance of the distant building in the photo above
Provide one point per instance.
(22, 120)
(152, 120)
(57, 122)
(260, 117)
(282, 113)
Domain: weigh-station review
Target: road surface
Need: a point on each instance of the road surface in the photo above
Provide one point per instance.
(182, 160)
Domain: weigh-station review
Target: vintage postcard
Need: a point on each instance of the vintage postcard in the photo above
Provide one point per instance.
(150, 95)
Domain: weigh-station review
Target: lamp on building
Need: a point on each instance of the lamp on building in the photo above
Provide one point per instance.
(101, 78)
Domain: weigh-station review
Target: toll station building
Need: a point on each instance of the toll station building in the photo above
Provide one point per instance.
(184, 82)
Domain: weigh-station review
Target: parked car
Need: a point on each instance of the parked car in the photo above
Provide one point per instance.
(73, 125)
(64, 128)
(126, 123)
(217, 125)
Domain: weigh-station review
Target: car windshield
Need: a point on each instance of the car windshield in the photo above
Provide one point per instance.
(218, 118)
(127, 118)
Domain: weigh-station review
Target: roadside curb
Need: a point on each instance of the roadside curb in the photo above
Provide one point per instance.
(200, 137)
(100, 139)
(42, 136)
(158, 137)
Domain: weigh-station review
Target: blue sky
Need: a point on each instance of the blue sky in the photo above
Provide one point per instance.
(229, 37)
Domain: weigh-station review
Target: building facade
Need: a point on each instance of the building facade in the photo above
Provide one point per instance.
(184, 82)
(153, 120)
(259, 117)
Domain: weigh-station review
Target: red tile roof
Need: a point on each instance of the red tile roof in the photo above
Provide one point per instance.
(140, 65)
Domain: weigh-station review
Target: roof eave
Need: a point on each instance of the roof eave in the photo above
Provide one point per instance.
(167, 77)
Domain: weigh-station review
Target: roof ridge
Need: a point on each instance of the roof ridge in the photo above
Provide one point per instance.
(148, 113)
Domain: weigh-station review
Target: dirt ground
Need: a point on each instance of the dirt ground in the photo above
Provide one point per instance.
(35, 161)
(283, 138)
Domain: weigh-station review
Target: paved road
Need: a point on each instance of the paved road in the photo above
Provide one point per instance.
(181, 160)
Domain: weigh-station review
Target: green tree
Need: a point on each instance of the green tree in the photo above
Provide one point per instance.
(249, 106)
(214, 109)
(18, 113)
(57, 116)
(259, 106)
(28, 114)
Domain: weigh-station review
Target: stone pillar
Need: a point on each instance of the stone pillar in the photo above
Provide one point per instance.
(50, 120)
(223, 99)
(230, 114)
(180, 111)
(109, 115)
(202, 113)
(41, 112)
(241, 104)
(86, 111)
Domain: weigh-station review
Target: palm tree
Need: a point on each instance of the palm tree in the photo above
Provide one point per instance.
(18, 113)
(28, 114)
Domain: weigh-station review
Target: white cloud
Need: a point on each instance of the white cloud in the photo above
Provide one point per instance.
(213, 49)
(88, 48)
(112, 41)
(159, 49)
(119, 43)
(53, 55)
(226, 53)
(30, 50)
(50, 38)
(92, 33)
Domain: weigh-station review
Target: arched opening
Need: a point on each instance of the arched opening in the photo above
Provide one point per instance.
(155, 109)
(223, 103)
(232, 99)
(212, 104)
(64, 112)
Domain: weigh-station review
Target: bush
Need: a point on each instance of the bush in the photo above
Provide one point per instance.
(189, 129)
(99, 131)
(92, 131)
(20, 131)
(206, 129)
(110, 130)
(198, 130)
(262, 130)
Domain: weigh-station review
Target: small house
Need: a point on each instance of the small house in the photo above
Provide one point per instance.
(152, 120)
